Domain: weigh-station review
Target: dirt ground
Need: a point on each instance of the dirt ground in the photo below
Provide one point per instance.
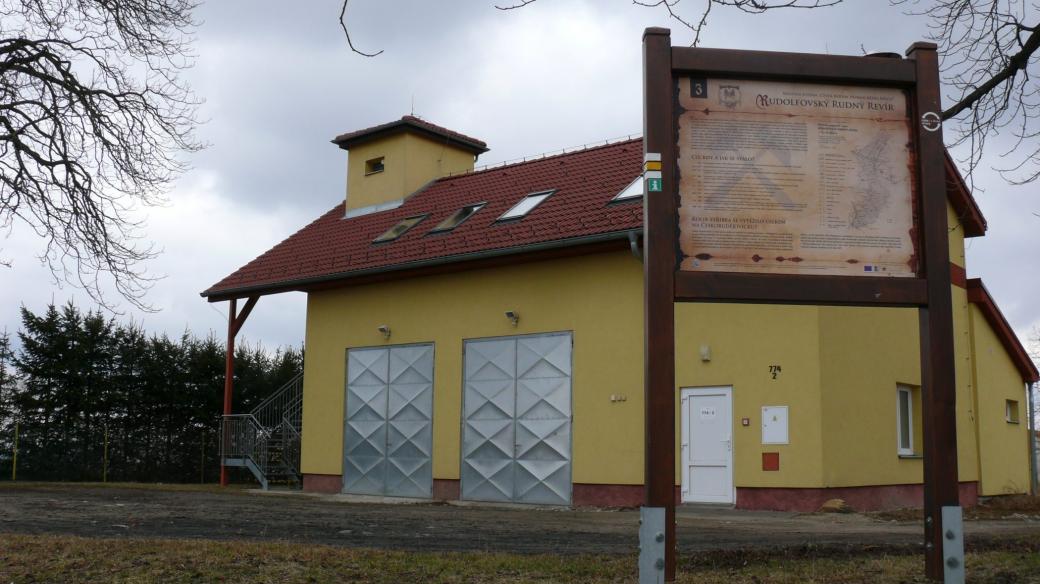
(95, 511)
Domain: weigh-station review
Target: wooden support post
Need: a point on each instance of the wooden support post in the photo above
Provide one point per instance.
(229, 373)
(938, 378)
(659, 236)
(235, 322)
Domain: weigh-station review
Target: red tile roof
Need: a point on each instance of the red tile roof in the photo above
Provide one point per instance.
(345, 141)
(334, 247)
(979, 296)
(968, 212)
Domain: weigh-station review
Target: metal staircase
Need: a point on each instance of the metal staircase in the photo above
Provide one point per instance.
(267, 440)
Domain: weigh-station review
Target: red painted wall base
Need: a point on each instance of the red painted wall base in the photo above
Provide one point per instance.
(869, 498)
(322, 483)
(446, 489)
(443, 489)
(592, 495)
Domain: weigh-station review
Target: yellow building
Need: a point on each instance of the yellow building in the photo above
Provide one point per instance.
(478, 334)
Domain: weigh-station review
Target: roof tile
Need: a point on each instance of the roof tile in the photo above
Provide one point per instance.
(333, 246)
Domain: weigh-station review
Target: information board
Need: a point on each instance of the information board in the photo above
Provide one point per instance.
(794, 178)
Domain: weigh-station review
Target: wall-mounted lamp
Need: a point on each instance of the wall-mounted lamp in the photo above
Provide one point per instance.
(705, 353)
(385, 331)
(513, 316)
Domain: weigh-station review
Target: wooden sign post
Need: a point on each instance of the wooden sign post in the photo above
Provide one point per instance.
(778, 178)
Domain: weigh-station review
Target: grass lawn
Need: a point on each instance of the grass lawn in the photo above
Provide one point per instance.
(33, 558)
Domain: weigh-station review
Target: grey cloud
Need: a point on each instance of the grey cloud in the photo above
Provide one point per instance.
(280, 83)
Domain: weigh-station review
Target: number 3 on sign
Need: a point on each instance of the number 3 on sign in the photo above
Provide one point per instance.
(698, 87)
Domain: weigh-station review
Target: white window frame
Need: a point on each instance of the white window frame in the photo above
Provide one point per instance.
(909, 449)
(389, 235)
(524, 206)
(634, 190)
(446, 225)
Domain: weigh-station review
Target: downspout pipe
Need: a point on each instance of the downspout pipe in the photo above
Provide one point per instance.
(633, 244)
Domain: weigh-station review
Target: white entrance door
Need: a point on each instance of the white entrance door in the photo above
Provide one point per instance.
(707, 445)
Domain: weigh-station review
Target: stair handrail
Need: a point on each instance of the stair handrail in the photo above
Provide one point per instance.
(285, 403)
(291, 446)
(242, 436)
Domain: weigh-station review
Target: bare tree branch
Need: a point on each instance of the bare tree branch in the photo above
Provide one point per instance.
(749, 6)
(521, 4)
(988, 48)
(1015, 64)
(93, 121)
(668, 5)
(346, 33)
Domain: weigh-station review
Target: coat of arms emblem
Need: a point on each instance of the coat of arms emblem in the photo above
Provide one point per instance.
(729, 96)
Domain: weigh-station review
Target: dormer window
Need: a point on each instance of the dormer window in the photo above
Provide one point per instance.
(457, 218)
(632, 191)
(373, 166)
(525, 206)
(399, 229)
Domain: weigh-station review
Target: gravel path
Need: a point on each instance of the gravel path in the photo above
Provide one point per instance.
(337, 520)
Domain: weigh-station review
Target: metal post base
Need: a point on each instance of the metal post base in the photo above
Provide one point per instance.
(651, 545)
(953, 545)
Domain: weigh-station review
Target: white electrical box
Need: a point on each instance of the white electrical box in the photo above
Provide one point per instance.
(774, 425)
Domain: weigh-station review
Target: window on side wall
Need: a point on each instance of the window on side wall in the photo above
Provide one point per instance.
(1011, 411)
(905, 420)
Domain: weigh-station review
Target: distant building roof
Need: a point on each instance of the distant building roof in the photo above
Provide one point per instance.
(419, 125)
(580, 211)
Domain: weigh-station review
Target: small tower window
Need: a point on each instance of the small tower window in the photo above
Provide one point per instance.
(373, 166)
(399, 229)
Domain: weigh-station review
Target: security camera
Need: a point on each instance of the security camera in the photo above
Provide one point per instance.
(512, 316)
(385, 330)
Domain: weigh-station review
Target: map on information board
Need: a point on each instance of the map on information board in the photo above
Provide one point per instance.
(794, 178)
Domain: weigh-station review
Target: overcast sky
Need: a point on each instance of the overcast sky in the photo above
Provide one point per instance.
(279, 83)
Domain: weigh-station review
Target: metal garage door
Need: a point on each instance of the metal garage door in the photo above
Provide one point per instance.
(516, 443)
(388, 425)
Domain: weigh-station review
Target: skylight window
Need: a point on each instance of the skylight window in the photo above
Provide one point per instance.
(457, 218)
(632, 191)
(399, 229)
(526, 205)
